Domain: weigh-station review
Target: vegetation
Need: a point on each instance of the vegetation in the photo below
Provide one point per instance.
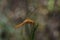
(29, 19)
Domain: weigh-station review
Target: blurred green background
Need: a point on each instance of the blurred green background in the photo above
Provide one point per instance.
(14, 12)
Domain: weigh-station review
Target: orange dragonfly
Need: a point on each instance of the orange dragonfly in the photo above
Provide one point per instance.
(27, 20)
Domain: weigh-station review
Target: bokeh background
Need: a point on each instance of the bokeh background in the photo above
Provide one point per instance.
(45, 14)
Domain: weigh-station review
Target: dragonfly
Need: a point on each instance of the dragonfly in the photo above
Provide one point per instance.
(27, 19)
